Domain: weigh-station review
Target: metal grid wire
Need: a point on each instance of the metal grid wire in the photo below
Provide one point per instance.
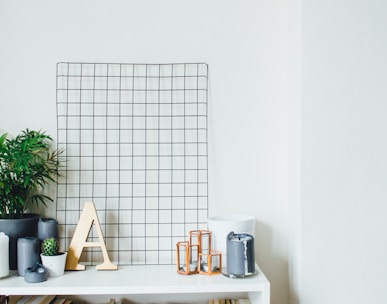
(135, 140)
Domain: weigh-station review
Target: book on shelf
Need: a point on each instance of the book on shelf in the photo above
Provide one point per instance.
(229, 301)
(32, 299)
(62, 301)
(38, 299)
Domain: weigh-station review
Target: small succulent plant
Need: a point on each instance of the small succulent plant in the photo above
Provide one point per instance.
(50, 247)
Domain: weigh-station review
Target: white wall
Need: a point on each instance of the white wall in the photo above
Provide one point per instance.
(344, 152)
(245, 45)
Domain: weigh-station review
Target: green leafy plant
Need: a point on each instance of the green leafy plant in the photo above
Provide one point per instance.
(27, 165)
(50, 247)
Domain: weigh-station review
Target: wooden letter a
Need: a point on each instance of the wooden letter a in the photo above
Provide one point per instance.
(79, 241)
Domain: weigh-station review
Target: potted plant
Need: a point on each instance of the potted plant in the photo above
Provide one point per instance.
(53, 259)
(28, 163)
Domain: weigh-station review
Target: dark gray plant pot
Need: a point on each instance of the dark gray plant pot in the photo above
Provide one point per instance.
(18, 228)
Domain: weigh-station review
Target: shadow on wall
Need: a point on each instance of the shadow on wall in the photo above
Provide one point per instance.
(274, 263)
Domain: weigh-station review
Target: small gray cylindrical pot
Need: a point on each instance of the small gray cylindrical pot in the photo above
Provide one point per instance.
(48, 228)
(28, 253)
(18, 228)
(240, 254)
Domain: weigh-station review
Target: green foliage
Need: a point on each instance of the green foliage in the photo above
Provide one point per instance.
(50, 247)
(27, 165)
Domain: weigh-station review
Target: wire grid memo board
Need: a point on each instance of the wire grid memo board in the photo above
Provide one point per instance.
(135, 141)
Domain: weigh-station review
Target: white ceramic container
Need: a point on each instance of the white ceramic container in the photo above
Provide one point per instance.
(54, 264)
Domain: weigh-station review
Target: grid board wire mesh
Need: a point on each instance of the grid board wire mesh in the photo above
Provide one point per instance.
(135, 142)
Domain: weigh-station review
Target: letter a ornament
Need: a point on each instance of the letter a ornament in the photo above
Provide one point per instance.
(79, 241)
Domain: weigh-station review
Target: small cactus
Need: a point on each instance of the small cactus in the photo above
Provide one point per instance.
(50, 247)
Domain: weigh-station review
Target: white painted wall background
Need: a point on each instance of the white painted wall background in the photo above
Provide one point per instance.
(244, 43)
(344, 152)
(324, 235)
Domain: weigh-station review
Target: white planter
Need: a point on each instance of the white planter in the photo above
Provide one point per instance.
(221, 226)
(54, 264)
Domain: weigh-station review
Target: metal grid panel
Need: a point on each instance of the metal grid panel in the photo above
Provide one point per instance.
(135, 140)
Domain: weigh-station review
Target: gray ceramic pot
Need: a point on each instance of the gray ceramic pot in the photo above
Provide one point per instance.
(48, 228)
(18, 228)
